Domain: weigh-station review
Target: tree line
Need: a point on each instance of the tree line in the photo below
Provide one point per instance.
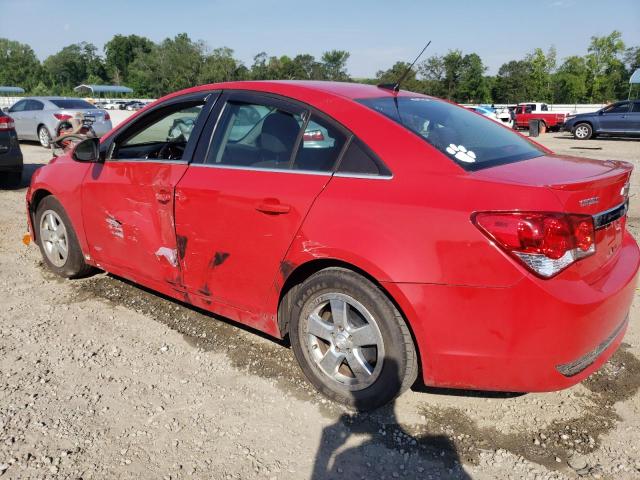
(154, 69)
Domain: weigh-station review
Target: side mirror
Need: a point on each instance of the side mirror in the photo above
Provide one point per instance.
(600, 112)
(87, 151)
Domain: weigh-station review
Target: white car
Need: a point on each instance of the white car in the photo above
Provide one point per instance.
(500, 116)
(113, 105)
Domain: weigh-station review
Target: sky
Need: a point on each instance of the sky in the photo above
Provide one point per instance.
(376, 33)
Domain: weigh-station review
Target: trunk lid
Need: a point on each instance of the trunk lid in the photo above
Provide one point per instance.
(593, 187)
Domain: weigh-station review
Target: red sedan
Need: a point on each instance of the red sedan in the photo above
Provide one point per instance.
(387, 234)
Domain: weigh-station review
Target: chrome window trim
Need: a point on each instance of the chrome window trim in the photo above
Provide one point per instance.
(257, 169)
(289, 170)
(602, 219)
(367, 176)
(145, 160)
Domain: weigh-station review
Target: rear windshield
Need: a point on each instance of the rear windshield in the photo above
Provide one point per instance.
(71, 103)
(469, 139)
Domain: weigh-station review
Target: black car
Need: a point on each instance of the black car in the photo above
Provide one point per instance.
(10, 154)
(620, 119)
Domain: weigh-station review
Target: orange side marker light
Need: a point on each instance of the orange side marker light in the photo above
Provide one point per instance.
(26, 239)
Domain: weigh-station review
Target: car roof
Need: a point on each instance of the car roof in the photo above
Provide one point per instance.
(295, 87)
(54, 98)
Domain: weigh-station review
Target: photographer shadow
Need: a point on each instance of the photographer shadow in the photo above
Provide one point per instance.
(374, 445)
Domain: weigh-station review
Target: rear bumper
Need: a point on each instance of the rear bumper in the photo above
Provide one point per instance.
(102, 128)
(522, 337)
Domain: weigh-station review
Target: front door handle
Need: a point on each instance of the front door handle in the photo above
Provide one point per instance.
(163, 196)
(273, 207)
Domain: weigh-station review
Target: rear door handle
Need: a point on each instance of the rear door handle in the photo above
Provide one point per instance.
(273, 207)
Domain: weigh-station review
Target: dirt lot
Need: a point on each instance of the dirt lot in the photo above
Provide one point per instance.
(102, 379)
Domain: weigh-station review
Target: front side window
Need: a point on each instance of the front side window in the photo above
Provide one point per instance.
(470, 140)
(617, 108)
(256, 136)
(162, 135)
(636, 107)
(544, 107)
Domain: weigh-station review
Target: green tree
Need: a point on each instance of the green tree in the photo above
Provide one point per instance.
(571, 81)
(542, 67)
(603, 64)
(432, 71)
(220, 66)
(473, 86)
(453, 65)
(121, 51)
(172, 65)
(72, 66)
(334, 64)
(19, 65)
(394, 74)
(512, 82)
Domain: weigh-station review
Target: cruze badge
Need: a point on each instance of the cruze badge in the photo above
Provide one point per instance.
(589, 201)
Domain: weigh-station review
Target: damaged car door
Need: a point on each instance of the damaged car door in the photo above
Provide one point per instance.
(245, 196)
(128, 200)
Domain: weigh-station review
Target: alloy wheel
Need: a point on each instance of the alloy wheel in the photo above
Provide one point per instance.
(54, 238)
(582, 131)
(344, 341)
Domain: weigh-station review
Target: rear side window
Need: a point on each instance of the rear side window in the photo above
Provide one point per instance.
(71, 103)
(636, 107)
(357, 160)
(19, 106)
(34, 105)
(321, 145)
(256, 136)
(470, 140)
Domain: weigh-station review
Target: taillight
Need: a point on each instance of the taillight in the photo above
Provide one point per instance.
(107, 116)
(313, 136)
(546, 243)
(6, 123)
(62, 116)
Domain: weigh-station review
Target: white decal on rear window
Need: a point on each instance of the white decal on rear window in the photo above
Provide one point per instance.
(461, 153)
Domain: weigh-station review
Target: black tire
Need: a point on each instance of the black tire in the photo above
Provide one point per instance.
(74, 266)
(44, 137)
(399, 367)
(582, 131)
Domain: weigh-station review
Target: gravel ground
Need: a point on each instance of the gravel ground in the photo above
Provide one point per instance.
(100, 378)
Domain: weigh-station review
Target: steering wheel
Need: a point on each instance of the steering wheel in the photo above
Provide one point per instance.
(171, 151)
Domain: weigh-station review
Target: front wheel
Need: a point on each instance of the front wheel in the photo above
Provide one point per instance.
(350, 341)
(58, 241)
(582, 131)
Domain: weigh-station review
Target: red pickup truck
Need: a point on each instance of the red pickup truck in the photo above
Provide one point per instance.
(538, 111)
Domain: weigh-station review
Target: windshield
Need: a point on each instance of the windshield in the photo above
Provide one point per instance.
(71, 103)
(469, 139)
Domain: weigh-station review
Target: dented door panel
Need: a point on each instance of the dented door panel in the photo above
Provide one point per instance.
(237, 226)
(128, 217)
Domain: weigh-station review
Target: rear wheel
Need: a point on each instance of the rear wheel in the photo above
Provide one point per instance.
(44, 137)
(582, 131)
(58, 241)
(350, 340)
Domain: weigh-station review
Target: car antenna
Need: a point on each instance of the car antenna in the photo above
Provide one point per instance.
(396, 86)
